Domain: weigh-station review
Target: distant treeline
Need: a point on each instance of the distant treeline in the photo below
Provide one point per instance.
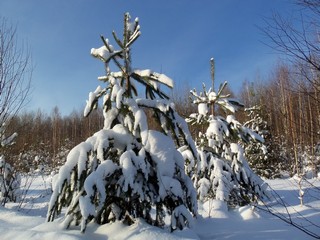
(288, 102)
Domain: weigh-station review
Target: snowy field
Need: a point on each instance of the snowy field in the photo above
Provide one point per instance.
(27, 219)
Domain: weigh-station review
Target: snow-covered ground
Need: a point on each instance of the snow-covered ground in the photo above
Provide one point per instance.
(27, 219)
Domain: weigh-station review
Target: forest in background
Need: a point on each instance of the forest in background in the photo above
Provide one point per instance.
(288, 105)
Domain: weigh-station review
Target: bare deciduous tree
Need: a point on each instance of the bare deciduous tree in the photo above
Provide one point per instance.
(15, 72)
(299, 40)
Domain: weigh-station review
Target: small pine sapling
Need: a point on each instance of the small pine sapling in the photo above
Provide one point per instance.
(221, 171)
(263, 157)
(9, 183)
(9, 179)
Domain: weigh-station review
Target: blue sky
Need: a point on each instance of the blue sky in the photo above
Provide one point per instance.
(178, 39)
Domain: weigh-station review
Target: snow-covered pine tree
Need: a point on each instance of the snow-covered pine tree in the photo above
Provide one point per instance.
(9, 182)
(222, 171)
(127, 171)
(263, 157)
(9, 179)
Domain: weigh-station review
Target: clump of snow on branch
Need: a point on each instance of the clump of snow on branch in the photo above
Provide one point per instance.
(5, 140)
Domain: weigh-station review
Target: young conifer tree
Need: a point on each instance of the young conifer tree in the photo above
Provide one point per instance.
(9, 178)
(263, 157)
(222, 171)
(9, 183)
(127, 171)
